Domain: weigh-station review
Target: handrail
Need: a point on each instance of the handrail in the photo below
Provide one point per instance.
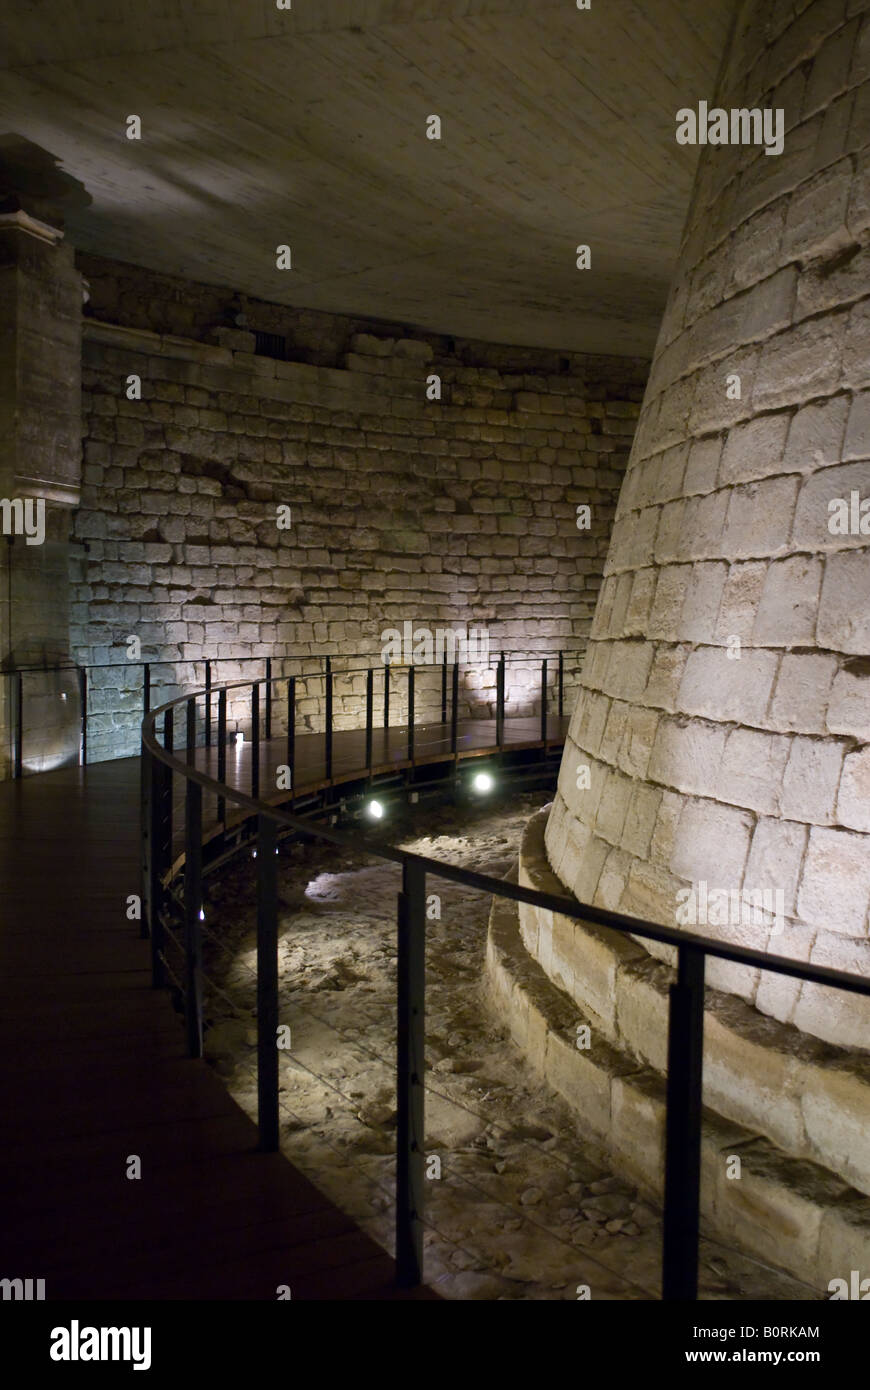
(17, 673)
(686, 1000)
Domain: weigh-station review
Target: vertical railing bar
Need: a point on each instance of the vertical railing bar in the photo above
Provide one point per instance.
(190, 749)
(255, 739)
(681, 1227)
(291, 735)
(207, 726)
(411, 711)
(454, 711)
(19, 725)
(83, 690)
(561, 683)
(328, 752)
(161, 783)
(499, 703)
(410, 1076)
(169, 745)
(386, 694)
(192, 924)
(267, 984)
(444, 687)
(145, 761)
(370, 714)
(146, 688)
(222, 754)
(544, 700)
(268, 697)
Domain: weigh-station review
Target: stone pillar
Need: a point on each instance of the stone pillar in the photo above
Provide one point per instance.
(40, 474)
(725, 710)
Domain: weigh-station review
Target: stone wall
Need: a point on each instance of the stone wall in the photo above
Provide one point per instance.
(725, 710)
(453, 512)
(40, 461)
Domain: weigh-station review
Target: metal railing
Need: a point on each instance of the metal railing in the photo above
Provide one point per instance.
(551, 693)
(683, 1120)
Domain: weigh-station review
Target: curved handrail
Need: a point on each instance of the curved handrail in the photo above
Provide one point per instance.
(686, 1005)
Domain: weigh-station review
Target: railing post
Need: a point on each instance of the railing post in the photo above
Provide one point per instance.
(410, 1077)
(146, 688)
(145, 837)
(683, 1127)
(328, 725)
(268, 697)
(190, 750)
(222, 753)
(561, 683)
(83, 698)
(291, 734)
(411, 685)
(370, 714)
(499, 702)
(207, 727)
(454, 711)
(255, 739)
(267, 985)
(159, 852)
(544, 700)
(19, 724)
(192, 925)
(386, 694)
(169, 745)
(444, 687)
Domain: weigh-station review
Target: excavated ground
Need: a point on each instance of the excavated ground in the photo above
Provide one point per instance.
(525, 1207)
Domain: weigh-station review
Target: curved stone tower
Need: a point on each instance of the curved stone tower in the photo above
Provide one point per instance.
(724, 716)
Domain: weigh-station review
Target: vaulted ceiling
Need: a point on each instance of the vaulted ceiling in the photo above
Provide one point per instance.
(307, 127)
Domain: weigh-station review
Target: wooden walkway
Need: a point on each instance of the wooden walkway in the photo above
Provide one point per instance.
(93, 1074)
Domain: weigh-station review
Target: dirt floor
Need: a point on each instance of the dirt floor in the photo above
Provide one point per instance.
(525, 1207)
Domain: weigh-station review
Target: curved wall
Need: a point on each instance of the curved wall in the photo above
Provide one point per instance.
(724, 715)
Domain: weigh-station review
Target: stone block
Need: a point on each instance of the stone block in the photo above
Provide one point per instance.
(824, 517)
(775, 858)
(802, 690)
(754, 449)
(844, 609)
(640, 820)
(667, 607)
(809, 791)
(857, 442)
(759, 518)
(789, 602)
(853, 800)
(752, 770)
(687, 755)
(716, 687)
(800, 363)
(835, 887)
(703, 465)
(849, 705)
(815, 437)
(711, 843)
(702, 600)
(741, 595)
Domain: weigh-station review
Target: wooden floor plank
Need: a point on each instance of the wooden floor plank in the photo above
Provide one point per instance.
(92, 1063)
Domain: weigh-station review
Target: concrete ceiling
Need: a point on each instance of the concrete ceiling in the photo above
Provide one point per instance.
(307, 127)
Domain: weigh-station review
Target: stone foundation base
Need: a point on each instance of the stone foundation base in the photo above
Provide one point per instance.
(791, 1212)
